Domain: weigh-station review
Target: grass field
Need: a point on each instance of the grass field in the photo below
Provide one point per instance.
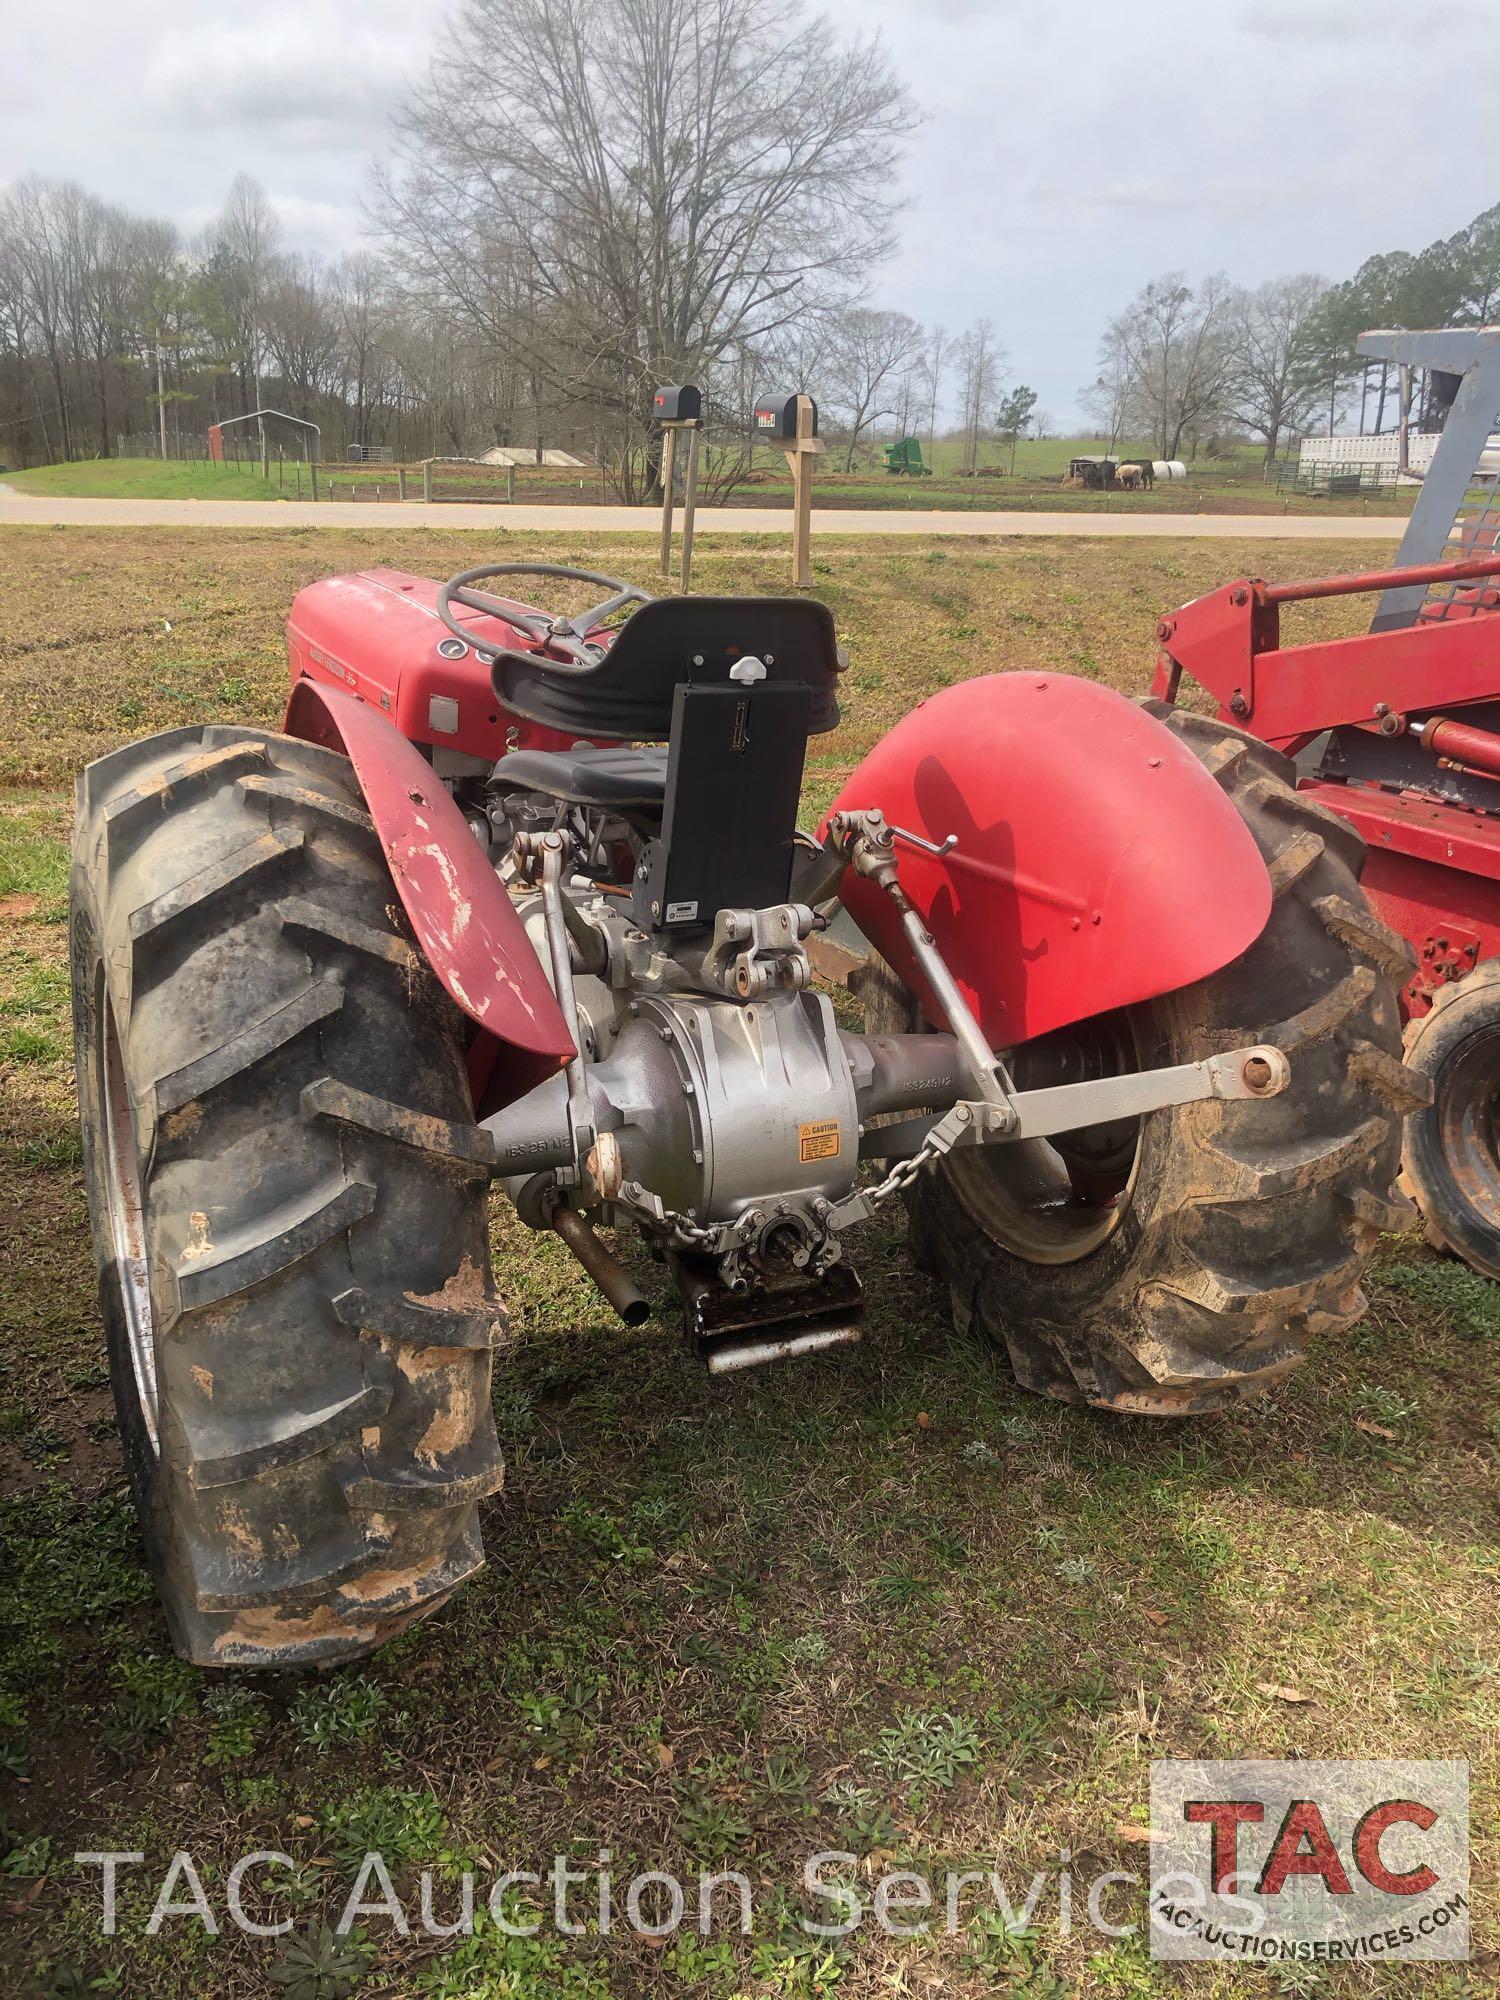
(144, 479)
(886, 1604)
(1232, 484)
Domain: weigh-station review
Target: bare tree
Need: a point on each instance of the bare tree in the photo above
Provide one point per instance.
(870, 356)
(1276, 380)
(246, 233)
(301, 331)
(677, 176)
(981, 360)
(934, 364)
(1109, 397)
(31, 227)
(361, 288)
(1175, 348)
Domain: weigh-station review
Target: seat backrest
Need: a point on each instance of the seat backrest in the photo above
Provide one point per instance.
(674, 642)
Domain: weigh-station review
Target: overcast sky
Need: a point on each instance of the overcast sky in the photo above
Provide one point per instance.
(1070, 150)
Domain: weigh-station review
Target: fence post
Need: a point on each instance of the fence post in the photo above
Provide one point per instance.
(400, 482)
(312, 468)
(510, 482)
(265, 456)
(426, 478)
(299, 479)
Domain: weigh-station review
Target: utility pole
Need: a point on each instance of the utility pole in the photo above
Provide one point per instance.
(161, 402)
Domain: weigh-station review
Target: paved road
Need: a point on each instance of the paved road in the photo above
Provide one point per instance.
(35, 510)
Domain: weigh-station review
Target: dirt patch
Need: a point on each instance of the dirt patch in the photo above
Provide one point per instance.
(464, 1290)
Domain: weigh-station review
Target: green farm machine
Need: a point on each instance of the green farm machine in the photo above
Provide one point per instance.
(904, 458)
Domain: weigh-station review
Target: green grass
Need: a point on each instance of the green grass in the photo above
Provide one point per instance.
(1234, 481)
(885, 1603)
(145, 479)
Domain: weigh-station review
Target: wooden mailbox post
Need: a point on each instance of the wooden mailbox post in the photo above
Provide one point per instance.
(678, 407)
(792, 420)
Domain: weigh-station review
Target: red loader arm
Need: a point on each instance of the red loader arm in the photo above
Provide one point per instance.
(1230, 643)
(1097, 862)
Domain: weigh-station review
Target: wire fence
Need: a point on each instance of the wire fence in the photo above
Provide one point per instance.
(294, 477)
(1325, 481)
(191, 447)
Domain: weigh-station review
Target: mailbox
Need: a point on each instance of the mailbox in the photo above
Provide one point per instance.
(678, 403)
(776, 417)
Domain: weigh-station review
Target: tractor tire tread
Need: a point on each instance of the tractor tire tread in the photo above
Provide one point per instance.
(1452, 1223)
(1247, 1233)
(315, 1194)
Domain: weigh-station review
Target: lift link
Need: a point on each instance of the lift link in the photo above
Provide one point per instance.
(1001, 1112)
(869, 845)
(546, 856)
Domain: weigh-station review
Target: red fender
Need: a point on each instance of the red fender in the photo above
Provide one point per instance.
(463, 919)
(1098, 863)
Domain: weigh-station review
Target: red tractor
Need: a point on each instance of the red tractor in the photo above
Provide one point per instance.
(520, 897)
(1367, 719)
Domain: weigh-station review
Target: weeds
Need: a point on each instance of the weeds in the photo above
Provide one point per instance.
(403, 1827)
(237, 1714)
(710, 1827)
(337, 1712)
(1385, 1406)
(321, 1965)
(927, 1749)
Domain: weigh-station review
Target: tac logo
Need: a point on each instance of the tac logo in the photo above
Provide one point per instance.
(1329, 1862)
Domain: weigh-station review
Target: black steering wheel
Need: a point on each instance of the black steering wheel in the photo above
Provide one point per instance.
(565, 635)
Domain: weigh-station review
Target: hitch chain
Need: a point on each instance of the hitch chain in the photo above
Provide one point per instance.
(996, 1110)
(992, 1110)
(682, 1228)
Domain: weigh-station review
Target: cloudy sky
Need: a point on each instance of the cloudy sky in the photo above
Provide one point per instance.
(1070, 148)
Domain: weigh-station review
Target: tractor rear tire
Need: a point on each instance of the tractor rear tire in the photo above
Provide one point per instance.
(1450, 1159)
(1237, 1231)
(288, 1198)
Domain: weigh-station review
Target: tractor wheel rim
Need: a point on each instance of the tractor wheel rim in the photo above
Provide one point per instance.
(1466, 1112)
(127, 1219)
(1056, 1203)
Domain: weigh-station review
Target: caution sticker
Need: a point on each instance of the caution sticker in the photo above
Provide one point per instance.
(821, 1140)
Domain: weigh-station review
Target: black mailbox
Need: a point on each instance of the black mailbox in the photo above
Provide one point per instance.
(678, 403)
(776, 417)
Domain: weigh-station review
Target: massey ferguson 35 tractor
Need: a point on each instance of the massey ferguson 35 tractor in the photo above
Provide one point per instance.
(521, 897)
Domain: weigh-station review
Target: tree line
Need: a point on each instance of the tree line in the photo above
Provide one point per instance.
(1277, 362)
(648, 191)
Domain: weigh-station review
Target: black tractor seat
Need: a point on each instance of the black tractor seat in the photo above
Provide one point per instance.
(670, 643)
(615, 776)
